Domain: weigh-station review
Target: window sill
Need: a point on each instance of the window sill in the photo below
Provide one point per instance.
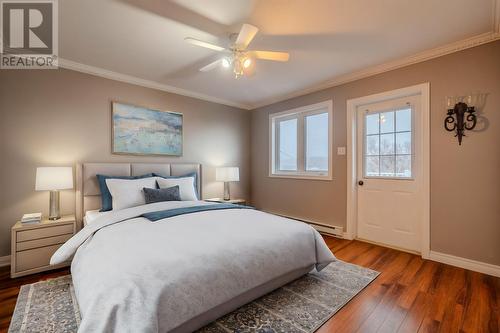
(300, 176)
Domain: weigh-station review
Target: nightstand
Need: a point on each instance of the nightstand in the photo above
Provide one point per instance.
(233, 201)
(32, 245)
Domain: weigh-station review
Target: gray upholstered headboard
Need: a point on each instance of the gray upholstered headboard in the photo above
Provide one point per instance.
(88, 194)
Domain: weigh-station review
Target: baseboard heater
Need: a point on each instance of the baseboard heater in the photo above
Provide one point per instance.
(328, 229)
(320, 227)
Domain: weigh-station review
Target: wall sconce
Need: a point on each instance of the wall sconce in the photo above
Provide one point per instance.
(460, 117)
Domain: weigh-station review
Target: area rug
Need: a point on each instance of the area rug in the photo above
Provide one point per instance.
(300, 306)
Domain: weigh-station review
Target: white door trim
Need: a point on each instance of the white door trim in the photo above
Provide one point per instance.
(422, 90)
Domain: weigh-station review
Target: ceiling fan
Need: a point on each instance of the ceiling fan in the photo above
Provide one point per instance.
(237, 56)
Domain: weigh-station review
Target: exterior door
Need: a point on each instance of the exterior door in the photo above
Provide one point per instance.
(389, 173)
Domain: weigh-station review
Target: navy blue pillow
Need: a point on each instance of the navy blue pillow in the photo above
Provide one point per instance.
(192, 174)
(106, 200)
(163, 194)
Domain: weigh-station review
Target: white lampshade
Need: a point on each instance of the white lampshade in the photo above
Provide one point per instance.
(54, 178)
(227, 174)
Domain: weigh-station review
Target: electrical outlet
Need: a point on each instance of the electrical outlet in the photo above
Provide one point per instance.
(340, 150)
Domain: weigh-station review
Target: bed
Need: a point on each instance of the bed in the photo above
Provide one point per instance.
(179, 273)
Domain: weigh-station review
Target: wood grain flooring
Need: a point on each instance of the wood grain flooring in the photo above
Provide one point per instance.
(415, 295)
(410, 294)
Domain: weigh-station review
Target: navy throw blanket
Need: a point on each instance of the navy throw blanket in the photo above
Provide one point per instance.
(162, 214)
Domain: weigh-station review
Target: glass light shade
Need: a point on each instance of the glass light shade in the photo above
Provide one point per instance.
(247, 62)
(54, 178)
(227, 174)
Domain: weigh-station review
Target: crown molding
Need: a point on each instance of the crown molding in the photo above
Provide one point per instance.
(101, 72)
(391, 65)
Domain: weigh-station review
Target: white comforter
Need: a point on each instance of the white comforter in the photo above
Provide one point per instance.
(134, 275)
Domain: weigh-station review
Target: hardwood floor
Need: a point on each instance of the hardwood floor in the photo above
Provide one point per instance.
(410, 295)
(9, 289)
(414, 295)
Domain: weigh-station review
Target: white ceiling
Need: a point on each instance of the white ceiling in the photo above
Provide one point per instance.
(326, 39)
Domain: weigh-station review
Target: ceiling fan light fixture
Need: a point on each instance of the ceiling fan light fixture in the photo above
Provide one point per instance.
(237, 57)
(226, 63)
(247, 62)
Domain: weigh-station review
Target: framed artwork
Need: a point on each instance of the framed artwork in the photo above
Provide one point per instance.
(139, 130)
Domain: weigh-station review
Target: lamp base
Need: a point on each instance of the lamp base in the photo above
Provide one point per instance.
(227, 194)
(54, 213)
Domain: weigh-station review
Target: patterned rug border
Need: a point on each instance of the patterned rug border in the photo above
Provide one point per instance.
(20, 317)
(22, 303)
(317, 327)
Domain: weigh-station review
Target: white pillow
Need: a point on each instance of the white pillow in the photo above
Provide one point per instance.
(127, 193)
(186, 186)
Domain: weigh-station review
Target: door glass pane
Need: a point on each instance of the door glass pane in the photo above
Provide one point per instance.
(403, 165)
(388, 146)
(317, 142)
(372, 146)
(387, 122)
(387, 166)
(288, 145)
(372, 166)
(403, 120)
(371, 123)
(403, 143)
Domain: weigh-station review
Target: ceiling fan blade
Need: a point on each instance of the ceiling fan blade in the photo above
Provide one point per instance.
(201, 43)
(247, 33)
(211, 65)
(270, 55)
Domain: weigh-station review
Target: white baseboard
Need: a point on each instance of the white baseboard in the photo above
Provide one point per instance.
(4, 261)
(347, 235)
(469, 264)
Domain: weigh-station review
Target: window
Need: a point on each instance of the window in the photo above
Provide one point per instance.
(301, 142)
(288, 145)
(388, 144)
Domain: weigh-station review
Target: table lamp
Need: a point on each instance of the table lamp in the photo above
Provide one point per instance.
(54, 179)
(226, 175)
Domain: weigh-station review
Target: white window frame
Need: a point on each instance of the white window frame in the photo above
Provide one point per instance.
(300, 114)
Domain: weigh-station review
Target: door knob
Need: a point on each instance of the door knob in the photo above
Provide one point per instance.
(360, 183)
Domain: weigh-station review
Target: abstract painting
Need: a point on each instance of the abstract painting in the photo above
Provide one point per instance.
(143, 131)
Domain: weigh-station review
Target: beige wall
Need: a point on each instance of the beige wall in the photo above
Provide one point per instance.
(465, 187)
(60, 117)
